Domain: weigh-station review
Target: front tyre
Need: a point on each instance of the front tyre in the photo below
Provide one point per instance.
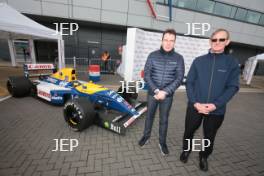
(79, 113)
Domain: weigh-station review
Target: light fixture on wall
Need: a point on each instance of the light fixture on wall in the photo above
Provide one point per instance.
(92, 42)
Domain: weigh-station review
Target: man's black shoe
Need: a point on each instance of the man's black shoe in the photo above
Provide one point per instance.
(143, 141)
(184, 156)
(203, 163)
(164, 149)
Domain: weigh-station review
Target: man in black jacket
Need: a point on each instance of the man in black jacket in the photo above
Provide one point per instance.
(163, 72)
(212, 81)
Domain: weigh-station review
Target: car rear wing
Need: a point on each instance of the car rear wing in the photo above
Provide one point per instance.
(36, 70)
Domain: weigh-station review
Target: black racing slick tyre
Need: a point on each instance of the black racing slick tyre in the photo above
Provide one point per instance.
(130, 96)
(79, 113)
(19, 86)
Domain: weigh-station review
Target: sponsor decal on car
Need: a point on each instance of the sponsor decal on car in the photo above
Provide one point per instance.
(44, 94)
(52, 80)
(106, 124)
(119, 99)
(56, 98)
(115, 128)
(110, 92)
(39, 66)
(115, 96)
(63, 83)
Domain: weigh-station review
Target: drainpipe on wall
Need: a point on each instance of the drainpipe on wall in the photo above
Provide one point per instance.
(170, 9)
(152, 9)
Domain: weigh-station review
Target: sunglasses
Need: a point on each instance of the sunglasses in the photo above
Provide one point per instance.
(220, 40)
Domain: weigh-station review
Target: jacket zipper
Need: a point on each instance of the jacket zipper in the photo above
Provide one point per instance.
(165, 63)
(211, 80)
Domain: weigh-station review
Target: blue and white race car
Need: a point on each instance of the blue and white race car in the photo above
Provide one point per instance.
(85, 103)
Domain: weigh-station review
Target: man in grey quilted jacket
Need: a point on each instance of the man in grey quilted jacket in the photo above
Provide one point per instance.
(163, 73)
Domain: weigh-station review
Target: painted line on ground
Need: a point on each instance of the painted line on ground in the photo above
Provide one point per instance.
(5, 98)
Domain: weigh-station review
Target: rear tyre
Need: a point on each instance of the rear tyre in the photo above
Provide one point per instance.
(79, 113)
(19, 86)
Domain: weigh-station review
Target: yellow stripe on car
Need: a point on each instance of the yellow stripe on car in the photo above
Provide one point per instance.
(90, 88)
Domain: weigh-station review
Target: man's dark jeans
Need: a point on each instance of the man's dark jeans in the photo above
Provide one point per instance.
(164, 109)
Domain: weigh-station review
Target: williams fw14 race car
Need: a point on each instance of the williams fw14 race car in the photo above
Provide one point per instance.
(85, 103)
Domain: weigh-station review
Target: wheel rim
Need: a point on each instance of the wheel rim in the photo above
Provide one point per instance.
(72, 116)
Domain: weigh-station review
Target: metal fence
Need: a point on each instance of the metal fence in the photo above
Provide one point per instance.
(81, 64)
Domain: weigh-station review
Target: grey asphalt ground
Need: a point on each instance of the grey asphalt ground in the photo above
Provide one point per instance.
(29, 126)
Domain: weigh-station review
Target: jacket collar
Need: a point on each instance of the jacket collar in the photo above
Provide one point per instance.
(165, 52)
(216, 54)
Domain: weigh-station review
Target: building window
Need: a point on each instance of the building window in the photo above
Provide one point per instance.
(205, 6)
(188, 4)
(163, 1)
(219, 9)
(222, 9)
(261, 21)
(233, 12)
(241, 14)
(174, 2)
(253, 17)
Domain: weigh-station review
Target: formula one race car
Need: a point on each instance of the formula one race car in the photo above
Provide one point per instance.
(85, 103)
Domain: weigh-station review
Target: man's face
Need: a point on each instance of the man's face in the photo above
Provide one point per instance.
(168, 42)
(219, 41)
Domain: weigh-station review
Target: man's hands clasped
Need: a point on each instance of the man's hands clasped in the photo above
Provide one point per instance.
(204, 108)
(160, 95)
